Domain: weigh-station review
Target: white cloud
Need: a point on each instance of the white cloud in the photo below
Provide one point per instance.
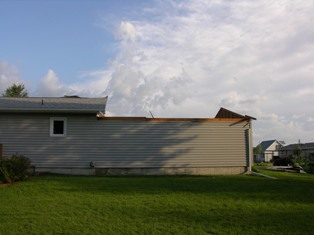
(50, 86)
(126, 32)
(91, 84)
(253, 57)
(188, 58)
(9, 74)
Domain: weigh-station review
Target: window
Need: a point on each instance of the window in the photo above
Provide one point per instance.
(58, 127)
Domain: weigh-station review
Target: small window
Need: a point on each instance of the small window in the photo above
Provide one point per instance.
(58, 127)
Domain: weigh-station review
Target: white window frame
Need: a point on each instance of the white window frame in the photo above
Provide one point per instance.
(52, 120)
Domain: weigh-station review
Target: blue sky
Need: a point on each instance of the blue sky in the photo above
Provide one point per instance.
(69, 36)
(175, 58)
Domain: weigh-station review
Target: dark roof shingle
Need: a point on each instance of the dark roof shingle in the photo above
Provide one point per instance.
(62, 104)
(292, 147)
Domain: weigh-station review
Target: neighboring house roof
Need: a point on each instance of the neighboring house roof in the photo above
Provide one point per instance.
(292, 147)
(225, 113)
(267, 143)
(62, 104)
(282, 142)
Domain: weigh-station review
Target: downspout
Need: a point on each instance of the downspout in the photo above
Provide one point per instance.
(250, 152)
(249, 147)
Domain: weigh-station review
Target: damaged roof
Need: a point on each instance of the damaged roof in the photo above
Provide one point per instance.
(225, 113)
(72, 104)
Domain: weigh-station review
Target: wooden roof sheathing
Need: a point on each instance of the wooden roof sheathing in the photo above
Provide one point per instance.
(225, 113)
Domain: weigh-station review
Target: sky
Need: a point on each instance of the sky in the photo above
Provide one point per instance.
(174, 58)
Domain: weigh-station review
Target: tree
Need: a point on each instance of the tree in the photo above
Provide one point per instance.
(298, 158)
(257, 149)
(297, 150)
(16, 90)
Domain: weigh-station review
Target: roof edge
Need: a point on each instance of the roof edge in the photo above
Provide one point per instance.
(145, 119)
(226, 113)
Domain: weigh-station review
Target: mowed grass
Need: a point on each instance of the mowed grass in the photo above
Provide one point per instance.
(239, 204)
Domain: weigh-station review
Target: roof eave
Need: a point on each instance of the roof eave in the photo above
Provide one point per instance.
(249, 117)
(77, 111)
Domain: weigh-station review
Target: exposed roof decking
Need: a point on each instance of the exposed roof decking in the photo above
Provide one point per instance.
(63, 104)
(145, 119)
(225, 113)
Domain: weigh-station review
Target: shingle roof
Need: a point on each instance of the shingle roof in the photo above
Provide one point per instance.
(294, 146)
(62, 104)
(267, 143)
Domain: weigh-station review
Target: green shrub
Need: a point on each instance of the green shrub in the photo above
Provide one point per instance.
(14, 168)
(263, 164)
(309, 168)
(282, 161)
(254, 168)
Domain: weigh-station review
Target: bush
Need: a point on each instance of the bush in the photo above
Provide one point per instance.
(14, 168)
(254, 168)
(263, 164)
(309, 168)
(282, 161)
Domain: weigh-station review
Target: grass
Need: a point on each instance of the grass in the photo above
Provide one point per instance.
(239, 204)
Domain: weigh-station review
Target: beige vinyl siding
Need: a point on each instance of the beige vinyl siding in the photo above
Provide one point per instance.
(125, 143)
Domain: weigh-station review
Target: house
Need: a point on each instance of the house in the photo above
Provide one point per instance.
(71, 135)
(269, 150)
(307, 150)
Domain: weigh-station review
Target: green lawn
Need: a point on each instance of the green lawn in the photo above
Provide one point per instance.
(239, 204)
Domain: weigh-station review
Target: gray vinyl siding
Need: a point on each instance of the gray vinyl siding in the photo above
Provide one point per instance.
(125, 143)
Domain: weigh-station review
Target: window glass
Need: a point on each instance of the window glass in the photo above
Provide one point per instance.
(57, 127)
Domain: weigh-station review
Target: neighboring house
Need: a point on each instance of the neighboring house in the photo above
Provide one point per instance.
(307, 150)
(269, 150)
(72, 136)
